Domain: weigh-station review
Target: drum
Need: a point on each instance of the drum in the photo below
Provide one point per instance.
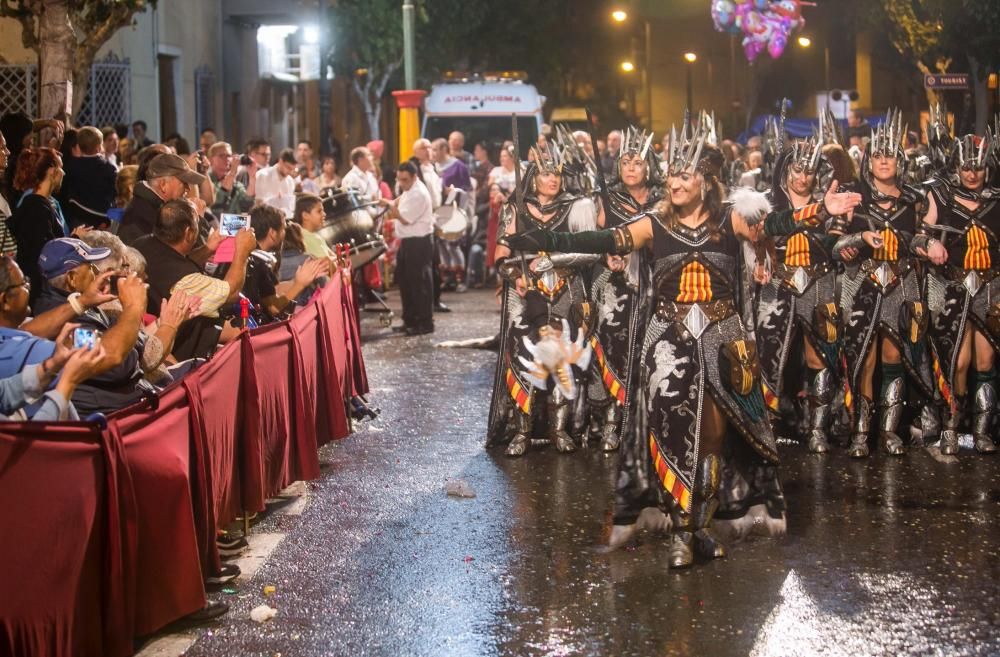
(362, 254)
(349, 218)
(451, 223)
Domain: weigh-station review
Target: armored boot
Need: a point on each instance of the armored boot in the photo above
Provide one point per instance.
(560, 410)
(522, 439)
(703, 507)
(891, 409)
(610, 440)
(929, 424)
(949, 435)
(681, 541)
(862, 424)
(820, 394)
(985, 405)
(598, 410)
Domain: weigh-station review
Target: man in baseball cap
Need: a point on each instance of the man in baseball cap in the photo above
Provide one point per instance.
(167, 178)
(61, 256)
(70, 268)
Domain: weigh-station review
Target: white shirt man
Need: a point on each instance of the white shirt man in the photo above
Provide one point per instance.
(416, 212)
(276, 184)
(360, 178)
(422, 151)
(414, 215)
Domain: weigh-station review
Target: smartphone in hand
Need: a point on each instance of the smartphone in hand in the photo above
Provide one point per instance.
(231, 224)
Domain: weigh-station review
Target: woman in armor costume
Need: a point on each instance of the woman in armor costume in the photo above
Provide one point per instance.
(882, 300)
(701, 439)
(615, 290)
(799, 302)
(544, 312)
(962, 238)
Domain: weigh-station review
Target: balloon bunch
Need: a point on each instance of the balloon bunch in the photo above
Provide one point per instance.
(764, 24)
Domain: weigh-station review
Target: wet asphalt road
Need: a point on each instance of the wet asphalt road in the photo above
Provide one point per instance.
(883, 556)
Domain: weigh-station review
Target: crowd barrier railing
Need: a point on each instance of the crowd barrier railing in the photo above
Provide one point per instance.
(109, 529)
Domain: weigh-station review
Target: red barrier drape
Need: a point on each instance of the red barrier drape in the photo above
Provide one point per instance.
(125, 517)
(168, 566)
(66, 558)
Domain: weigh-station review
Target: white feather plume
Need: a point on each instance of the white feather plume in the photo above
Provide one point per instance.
(750, 204)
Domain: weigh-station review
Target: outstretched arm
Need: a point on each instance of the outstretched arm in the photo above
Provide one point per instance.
(620, 240)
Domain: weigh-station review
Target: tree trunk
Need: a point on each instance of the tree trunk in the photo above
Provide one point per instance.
(56, 59)
(371, 116)
(981, 94)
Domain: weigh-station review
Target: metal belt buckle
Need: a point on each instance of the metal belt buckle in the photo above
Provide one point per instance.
(696, 321)
(884, 274)
(800, 280)
(972, 282)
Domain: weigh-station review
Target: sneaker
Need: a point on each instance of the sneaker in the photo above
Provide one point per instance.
(441, 308)
(232, 547)
(462, 287)
(227, 573)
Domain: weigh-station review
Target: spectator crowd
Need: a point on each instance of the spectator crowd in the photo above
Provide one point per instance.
(118, 275)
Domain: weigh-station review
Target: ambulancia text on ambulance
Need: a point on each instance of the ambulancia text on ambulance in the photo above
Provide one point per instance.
(480, 108)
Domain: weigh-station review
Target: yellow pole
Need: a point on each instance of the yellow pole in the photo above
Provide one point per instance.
(408, 102)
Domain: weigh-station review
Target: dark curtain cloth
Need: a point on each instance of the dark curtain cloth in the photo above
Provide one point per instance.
(169, 581)
(268, 396)
(214, 390)
(332, 312)
(312, 325)
(359, 380)
(66, 561)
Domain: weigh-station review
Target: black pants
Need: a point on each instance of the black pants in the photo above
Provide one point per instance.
(413, 271)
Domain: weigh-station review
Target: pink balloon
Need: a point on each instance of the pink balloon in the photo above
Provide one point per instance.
(753, 47)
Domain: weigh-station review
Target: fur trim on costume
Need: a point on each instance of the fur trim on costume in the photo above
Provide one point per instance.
(752, 205)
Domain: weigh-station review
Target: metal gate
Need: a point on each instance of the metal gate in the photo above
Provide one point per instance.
(108, 99)
(18, 89)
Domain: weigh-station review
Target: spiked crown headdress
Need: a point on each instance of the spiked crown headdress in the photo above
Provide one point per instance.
(973, 152)
(548, 159)
(684, 151)
(887, 139)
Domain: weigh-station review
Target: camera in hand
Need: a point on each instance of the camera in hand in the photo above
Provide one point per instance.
(245, 160)
(231, 224)
(85, 338)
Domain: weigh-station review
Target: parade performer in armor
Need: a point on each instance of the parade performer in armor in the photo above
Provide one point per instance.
(615, 290)
(962, 238)
(545, 312)
(700, 440)
(882, 300)
(798, 307)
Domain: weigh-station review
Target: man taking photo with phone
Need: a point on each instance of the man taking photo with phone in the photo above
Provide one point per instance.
(230, 194)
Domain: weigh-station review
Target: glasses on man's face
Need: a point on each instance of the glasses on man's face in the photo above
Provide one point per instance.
(26, 284)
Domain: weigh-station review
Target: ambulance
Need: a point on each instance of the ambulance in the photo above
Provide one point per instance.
(480, 108)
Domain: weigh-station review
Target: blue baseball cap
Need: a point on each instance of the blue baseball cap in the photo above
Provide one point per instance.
(65, 254)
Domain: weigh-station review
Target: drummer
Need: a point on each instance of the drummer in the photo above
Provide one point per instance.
(414, 215)
(361, 177)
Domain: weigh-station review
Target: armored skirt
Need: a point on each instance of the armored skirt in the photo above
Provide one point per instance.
(556, 300)
(882, 296)
(798, 302)
(695, 349)
(965, 291)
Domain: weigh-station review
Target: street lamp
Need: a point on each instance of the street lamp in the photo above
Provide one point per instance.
(620, 16)
(805, 42)
(690, 58)
(627, 66)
